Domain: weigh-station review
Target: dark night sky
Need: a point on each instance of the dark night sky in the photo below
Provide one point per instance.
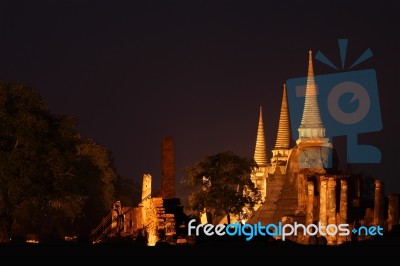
(133, 72)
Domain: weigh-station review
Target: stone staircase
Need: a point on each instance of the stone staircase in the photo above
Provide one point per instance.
(280, 200)
(287, 203)
(165, 221)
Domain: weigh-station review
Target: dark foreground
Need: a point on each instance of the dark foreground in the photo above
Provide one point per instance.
(378, 250)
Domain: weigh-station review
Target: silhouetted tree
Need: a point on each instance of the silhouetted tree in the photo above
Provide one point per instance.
(49, 174)
(98, 181)
(221, 184)
(128, 191)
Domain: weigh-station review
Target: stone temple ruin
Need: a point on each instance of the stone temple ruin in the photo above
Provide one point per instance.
(297, 185)
(159, 217)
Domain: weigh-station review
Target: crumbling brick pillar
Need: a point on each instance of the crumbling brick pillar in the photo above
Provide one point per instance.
(310, 203)
(302, 193)
(146, 195)
(168, 168)
(342, 207)
(323, 218)
(146, 186)
(378, 203)
(343, 201)
(331, 211)
(393, 211)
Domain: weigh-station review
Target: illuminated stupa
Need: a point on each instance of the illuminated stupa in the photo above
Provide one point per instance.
(313, 151)
(291, 169)
(259, 173)
(302, 184)
(280, 153)
(311, 124)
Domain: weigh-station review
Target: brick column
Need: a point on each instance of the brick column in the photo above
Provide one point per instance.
(342, 207)
(331, 210)
(310, 203)
(302, 193)
(168, 168)
(378, 203)
(146, 186)
(393, 212)
(323, 218)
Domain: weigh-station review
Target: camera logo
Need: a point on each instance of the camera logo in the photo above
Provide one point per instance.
(348, 103)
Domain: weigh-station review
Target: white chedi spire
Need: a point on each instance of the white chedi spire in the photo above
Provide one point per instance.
(311, 123)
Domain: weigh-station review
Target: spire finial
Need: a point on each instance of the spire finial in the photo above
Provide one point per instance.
(310, 65)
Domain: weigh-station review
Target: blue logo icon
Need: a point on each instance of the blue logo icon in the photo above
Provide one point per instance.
(348, 103)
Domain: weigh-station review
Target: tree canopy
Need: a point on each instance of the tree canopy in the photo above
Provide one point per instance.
(53, 181)
(221, 184)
